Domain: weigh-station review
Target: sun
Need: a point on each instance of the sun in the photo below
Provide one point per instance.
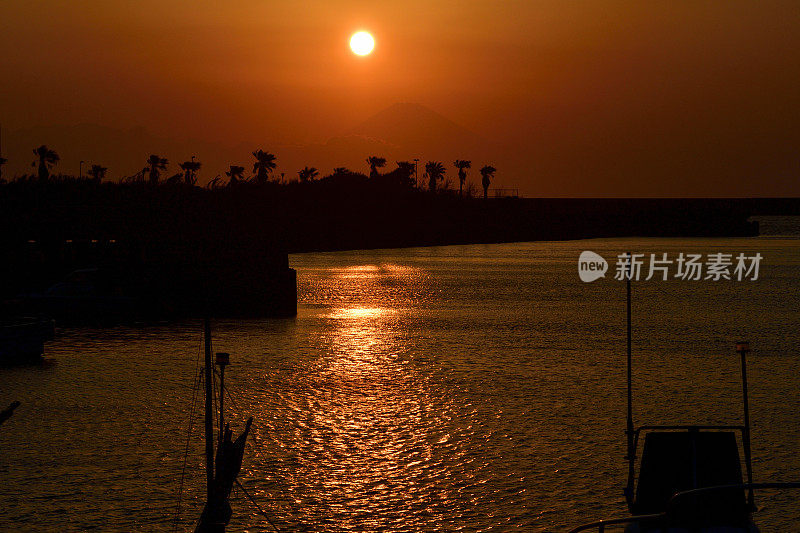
(362, 43)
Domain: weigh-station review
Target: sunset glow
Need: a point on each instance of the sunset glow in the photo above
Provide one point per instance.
(564, 99)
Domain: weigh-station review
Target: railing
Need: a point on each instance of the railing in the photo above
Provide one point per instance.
(632, 435)
(505, 193)
(677, 498)
(601, 525)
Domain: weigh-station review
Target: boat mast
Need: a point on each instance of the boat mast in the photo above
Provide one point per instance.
(220, 480)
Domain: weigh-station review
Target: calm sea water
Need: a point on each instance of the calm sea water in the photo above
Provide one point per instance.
(462, 388)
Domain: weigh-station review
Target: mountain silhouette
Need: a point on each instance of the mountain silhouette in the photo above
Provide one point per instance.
(417, 128)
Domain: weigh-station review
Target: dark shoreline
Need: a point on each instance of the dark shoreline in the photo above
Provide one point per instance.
(524, 220)
(183, 247)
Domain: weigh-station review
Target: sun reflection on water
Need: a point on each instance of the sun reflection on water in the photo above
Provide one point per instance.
(371, 441)
(361, 312)
(366, 436)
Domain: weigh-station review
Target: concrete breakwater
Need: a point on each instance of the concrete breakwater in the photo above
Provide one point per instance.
(110, 281)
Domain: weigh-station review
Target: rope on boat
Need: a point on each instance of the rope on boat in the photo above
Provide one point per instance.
(236, 406)
(215, 401)
(249, 497)
(227, 391)
(231, 398)
(195, 387)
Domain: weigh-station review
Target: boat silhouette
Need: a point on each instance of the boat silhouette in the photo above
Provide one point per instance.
(690, 477)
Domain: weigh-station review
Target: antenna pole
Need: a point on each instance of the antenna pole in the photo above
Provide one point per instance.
(209, 422)
(629, 432)
(222, 360)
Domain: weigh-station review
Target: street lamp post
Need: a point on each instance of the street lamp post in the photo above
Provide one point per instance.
(80, 170)
(416, 174)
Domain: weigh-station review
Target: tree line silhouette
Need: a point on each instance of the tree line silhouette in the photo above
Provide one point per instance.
(253, 208)
(405, 174)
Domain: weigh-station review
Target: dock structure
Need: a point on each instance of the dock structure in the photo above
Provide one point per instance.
(141, 278)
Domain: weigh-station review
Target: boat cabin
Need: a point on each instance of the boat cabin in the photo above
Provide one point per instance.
(691, 458)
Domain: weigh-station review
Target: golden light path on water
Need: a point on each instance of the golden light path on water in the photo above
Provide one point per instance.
(373, 439)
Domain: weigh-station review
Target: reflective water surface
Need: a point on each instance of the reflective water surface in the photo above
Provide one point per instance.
(463, 388)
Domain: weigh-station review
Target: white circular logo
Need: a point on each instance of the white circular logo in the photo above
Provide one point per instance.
(591, 266)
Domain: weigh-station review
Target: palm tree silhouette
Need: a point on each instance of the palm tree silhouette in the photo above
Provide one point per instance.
(190, 169)
(264, 165)
(488, 173)
(435, 171)
(307, 174)
(47, 158)
(236, 175)
(406, 170)
(375, 163)
(97, 172)
(156, 164)
(461, 165)
(215, 183)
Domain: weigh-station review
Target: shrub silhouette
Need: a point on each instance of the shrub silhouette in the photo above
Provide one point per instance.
(97, 172)
(235, 175)
(400, 176)
(156, 164)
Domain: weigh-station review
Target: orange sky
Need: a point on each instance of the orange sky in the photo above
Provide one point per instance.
(605, 98)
